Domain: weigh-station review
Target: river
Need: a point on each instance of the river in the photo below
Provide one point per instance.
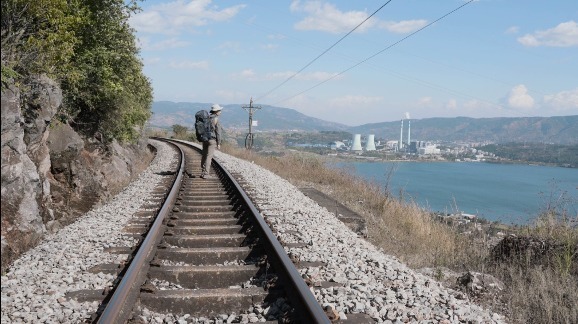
(507, 193)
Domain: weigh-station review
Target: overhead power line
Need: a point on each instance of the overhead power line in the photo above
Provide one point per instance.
(374, 55)
(327, 50)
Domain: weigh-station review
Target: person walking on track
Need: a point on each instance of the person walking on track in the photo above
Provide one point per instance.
(213, 143)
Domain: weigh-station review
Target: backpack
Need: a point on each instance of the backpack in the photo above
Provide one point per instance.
(203, 126)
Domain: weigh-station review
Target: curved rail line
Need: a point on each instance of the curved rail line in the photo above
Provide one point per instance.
(177, 222)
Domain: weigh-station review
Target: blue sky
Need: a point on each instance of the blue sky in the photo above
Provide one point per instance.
(490, 58)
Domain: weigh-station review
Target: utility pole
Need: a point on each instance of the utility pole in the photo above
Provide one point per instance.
(249, 137)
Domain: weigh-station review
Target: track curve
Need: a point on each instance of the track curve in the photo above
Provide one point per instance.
(207, 254)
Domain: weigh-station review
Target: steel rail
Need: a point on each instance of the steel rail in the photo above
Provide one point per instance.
(314, 312)
(129, 286)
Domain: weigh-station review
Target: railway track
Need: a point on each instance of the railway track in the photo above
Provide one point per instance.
(204, 250)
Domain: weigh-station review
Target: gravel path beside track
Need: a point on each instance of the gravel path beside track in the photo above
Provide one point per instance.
(370, 281)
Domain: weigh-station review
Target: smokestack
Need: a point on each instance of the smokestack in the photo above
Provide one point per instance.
(370, 145)
(356, 143)
(400, 145)
(408, 129)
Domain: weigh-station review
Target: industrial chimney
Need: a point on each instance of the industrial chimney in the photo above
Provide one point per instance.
(400, 144)
(409, 133)
(408, 129)
(356, 143)
(370, 145)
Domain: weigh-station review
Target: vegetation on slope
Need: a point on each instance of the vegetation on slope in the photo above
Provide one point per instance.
(89, 48)
(557, 154)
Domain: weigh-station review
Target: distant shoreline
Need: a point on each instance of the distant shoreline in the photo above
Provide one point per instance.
(379, 159)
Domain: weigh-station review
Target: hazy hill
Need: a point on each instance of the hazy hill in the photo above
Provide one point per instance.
(269, 118)
(560, 129)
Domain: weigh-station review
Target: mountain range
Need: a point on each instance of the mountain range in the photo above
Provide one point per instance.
(555, 130)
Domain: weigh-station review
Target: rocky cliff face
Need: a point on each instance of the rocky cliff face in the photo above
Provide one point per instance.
(50, 174)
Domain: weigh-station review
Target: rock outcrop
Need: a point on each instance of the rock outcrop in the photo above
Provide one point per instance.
(50, 173)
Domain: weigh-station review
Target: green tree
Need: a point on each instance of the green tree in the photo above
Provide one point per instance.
(180, 131)
(37, 37)
(108, 93)
(90, 49)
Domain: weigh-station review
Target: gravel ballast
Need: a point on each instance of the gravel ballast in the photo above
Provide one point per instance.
(367, 280)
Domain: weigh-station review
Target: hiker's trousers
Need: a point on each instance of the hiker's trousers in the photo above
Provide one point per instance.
(209, 148)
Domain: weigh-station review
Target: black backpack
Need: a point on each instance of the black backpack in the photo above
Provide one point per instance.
(203, 126)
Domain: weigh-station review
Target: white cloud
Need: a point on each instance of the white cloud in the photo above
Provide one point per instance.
(326, 17)
(339, 109)
(230, 46)
(171, 43)
(278, 75)
(480, 108)
(231, 96)
(152, 60)
(424, 101)
(150, 22)
(276, 36)
(200, 65)
(563, 35)
(513, 30)
(247, 74)
(565, 101)
(176, 16)
(519, 98)
(452, 104)
(318, 76)
(404, 26)
(269, 47)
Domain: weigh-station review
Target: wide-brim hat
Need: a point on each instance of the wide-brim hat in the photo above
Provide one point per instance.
(216, 107)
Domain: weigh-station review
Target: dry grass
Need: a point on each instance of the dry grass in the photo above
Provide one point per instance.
(542, 282)
(538, 295)
(543, 292)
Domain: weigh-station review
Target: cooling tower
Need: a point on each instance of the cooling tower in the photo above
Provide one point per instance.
(370, 145)
(356, 143)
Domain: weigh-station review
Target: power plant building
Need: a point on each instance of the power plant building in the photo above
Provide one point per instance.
(391, 144)
(428, 150)
(337, 145)
(424, 148)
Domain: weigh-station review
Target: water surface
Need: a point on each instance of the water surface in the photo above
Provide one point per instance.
(509, 193)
